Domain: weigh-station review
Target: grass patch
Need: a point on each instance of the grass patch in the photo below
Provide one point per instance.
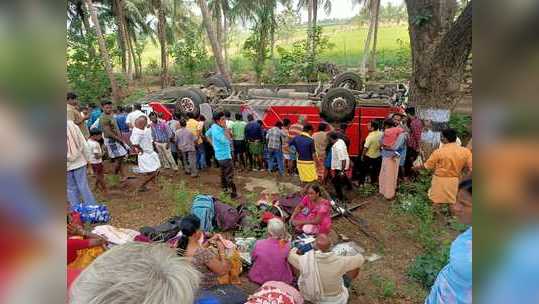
(112, 180)
(385, 288)
(183, 199)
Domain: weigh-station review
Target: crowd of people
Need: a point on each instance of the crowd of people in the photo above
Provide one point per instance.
(185, 270)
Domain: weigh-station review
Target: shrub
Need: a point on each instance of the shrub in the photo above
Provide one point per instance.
(190, 56)
(426, 267)
(462, 124)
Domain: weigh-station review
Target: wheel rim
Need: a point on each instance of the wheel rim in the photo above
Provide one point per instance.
(187, 105)
(339, 104)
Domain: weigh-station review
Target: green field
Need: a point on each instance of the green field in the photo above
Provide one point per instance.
(348, 41)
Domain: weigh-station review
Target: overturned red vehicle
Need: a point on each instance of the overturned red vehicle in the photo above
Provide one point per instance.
(342, 101)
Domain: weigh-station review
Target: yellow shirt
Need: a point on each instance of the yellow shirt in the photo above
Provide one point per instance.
(193, 126)
(372, 144)
(449, 160)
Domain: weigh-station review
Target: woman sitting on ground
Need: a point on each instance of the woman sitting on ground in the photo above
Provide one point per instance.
(190, 244)
(270, 256)
(78, 239)
(313, 214)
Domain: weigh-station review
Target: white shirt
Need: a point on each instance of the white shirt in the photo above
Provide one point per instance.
(338, 154)
(148, 161)
(94, 147)
(131, 117)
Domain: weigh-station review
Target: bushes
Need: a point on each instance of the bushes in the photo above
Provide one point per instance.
(190, 57)
(412, 199)
(461, 123)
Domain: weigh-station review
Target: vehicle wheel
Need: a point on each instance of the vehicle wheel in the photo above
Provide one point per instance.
(188, 102)
(348, 80)
(220, 82)
(203, 98)
(338, 105)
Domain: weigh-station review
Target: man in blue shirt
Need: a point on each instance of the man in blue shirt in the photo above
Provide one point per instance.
(220, 138)
(255, 142)
(304, 145)
(94, 114)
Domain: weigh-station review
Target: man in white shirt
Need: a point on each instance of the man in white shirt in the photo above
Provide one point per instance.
(78, 153)
(133, 115)
(340, 165)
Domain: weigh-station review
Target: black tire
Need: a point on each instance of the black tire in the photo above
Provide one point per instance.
(219, 81)
(203, 98)
(338, 105)
(188, 101)
(348, 80)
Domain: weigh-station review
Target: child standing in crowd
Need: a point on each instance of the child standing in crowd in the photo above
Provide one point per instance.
(391, 133)
(96, 160)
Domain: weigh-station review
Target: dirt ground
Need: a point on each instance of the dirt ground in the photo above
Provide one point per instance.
(381, 281)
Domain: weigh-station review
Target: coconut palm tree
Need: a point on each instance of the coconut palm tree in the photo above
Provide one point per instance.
(368, 62)
(212, 36)
(103, 51)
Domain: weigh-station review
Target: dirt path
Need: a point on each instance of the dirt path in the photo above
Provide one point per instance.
(381, 281)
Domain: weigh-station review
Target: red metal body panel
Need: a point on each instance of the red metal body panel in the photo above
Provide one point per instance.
(357, 128)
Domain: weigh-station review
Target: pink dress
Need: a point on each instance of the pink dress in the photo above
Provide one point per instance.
(310, 211)
(270, 262)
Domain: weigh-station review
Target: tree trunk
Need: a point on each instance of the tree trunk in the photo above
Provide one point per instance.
(86, 25)
(309, 15)
(118, 13)
(313, 28)
(218, 20)
(372, 59)
(225, 41)
(216, 48)
(367, 46)
(161, 27)
(104, 52)
(440, 48)
(132, 55)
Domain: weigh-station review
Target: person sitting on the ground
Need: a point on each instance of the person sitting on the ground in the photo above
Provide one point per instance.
(190, 245)
(136, 273)
(269, 256)
(148, 159)
(313, 214)
(321, 272)
(78, 238)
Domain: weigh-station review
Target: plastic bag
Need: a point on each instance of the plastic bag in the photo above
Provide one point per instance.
(93, 213)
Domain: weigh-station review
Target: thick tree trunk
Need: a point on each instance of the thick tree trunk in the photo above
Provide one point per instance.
(218, 21)
(216, 48)
(440, 48)
(372, 59)
(313, 28)
(104, 52)
(161, 27)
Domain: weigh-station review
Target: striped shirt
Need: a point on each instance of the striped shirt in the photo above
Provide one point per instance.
(275, 138)
(161, 133)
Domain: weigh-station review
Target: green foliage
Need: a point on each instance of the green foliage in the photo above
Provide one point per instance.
(299, 62)
(385, 288)
(134, 96)
(366, 190)
(462, 124)
(256, 48)
(153, 68)
(183, 199)
(190, 56)
(412, 199)
(426, 267)
(397, 63)
(253, 223)
(85, 73)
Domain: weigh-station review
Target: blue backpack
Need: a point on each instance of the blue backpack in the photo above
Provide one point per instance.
(203, 208)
